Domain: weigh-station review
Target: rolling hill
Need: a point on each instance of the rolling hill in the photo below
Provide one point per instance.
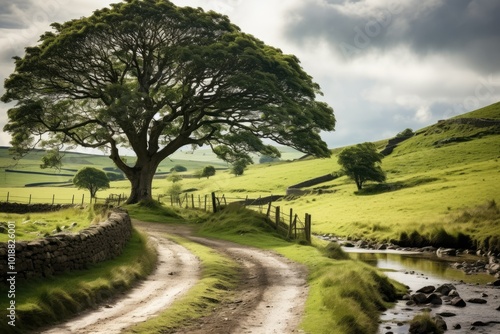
(443, 178)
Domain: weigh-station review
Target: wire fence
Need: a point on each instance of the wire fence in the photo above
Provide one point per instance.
(286, 222)
(113, 199)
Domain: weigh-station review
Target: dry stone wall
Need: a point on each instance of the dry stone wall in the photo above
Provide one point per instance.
(67, 251)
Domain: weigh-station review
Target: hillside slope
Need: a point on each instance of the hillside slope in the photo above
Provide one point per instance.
(431, 180)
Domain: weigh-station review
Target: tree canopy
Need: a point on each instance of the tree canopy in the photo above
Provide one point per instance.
(92, 179)
(208, 171)
(154, 77)
(361, 163)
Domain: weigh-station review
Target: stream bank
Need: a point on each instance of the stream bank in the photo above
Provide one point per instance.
(433, 269)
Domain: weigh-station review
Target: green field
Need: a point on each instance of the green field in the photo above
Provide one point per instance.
(441, 188)
(432, 178)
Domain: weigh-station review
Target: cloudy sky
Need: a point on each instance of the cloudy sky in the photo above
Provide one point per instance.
(383, 65)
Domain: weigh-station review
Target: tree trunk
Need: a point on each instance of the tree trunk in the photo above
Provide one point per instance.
(359, 183)
(141, 183)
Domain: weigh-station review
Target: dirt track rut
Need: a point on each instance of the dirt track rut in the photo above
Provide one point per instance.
(269, 299)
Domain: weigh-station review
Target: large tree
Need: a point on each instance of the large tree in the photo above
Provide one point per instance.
(153, 77)
(362, 163)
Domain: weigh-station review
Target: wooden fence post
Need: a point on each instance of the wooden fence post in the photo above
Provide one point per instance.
(73, 199)
(214, 203)
(29, 201)
(277, 216)
(268, 213)
(206, 202)
(308, 227)
(192, 201)
(295, 226)
(53, 198)
(290, 223)
(8, 193)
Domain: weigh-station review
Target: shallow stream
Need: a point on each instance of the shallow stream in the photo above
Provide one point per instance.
(417, 270)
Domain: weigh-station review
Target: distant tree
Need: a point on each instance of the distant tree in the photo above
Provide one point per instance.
(174, 191)
(178, 168)
(239, 166)
(174, 177)
(208, 171)
(52, 159)
(92, 179)
(361, 164)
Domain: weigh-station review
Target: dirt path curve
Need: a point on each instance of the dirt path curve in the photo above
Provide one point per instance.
(269, 299)
(178, 270)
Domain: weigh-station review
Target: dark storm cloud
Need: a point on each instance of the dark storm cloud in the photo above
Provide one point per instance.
(465, 29)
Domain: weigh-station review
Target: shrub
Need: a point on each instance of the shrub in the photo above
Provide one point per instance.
(405, 133)
(178, 168)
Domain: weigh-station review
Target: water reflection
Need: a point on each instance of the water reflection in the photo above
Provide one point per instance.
(420, 269)
(427, 264)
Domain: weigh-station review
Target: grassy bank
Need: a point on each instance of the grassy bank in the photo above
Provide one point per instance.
(44, 301)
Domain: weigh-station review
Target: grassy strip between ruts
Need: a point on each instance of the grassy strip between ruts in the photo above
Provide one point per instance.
(218, 277)
(345, 296)
(45, 301)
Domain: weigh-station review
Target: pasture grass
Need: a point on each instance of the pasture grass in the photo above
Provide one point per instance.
(427, 185)
(30, 226)
(42, 302)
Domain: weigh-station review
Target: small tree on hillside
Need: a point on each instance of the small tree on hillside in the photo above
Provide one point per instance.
(239, 167)
(92, 179)
(360, 163)
(174, 177)
(208, 171)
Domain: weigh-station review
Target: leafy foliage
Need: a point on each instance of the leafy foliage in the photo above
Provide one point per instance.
(405, 133)
(154, 77)
(360, 163)
(208, 171)
(92, 179)
(52, 159)
(174, 177)
(239, 167)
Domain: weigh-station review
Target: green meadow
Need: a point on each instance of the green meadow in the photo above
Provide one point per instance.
(433, 181)
(441, 189)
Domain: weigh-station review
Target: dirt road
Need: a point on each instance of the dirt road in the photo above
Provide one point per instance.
(270, 296)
